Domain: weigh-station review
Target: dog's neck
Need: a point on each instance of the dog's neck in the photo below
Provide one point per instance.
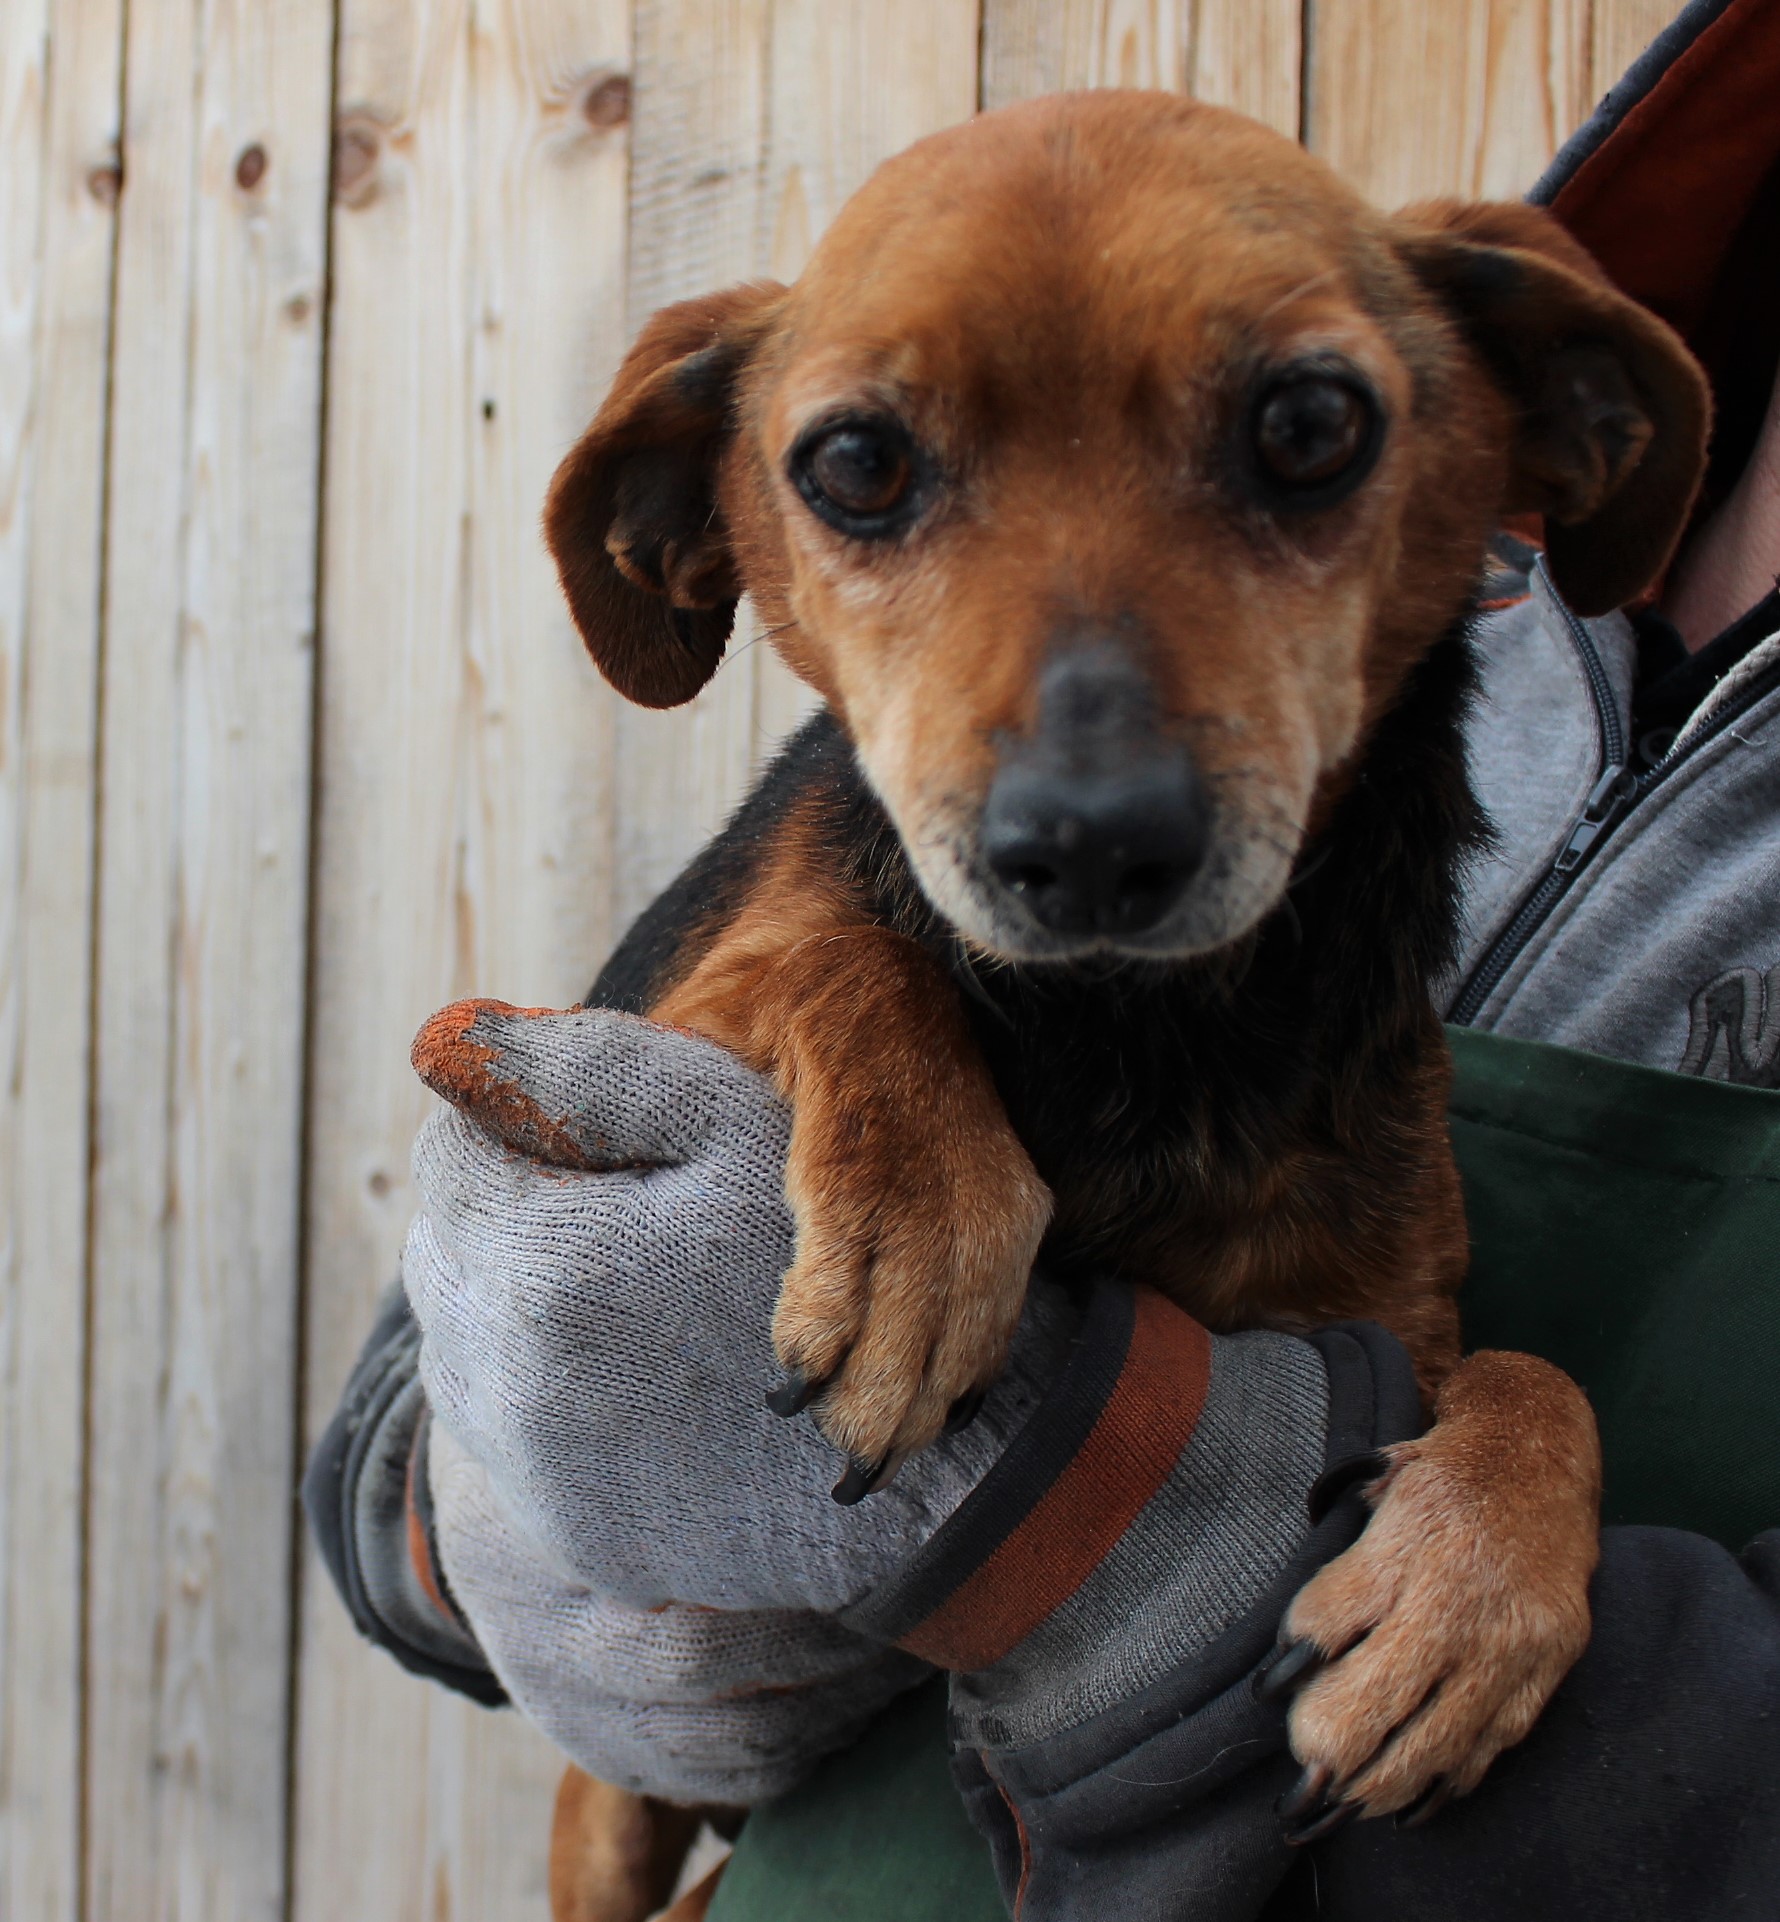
(1304, 1025)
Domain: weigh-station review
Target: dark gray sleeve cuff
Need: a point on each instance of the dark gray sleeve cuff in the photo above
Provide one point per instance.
(365, 1494)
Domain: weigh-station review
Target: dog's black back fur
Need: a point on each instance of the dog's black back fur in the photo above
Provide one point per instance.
(1138, 1088)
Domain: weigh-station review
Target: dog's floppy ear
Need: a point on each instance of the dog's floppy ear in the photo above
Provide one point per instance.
(632, 520)
(1613, 409)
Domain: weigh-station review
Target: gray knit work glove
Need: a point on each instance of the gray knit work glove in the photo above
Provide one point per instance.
(650, 1561)
(595, 1348)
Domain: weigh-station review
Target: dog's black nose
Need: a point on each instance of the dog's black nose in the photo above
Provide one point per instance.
(1103, 851)
(1097, 821)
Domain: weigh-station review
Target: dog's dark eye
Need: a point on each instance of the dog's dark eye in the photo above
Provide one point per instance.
(859, 475)
(860, 471)
(1312, 432)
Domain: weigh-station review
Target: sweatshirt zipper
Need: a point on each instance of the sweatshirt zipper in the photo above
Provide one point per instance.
(1610, 800)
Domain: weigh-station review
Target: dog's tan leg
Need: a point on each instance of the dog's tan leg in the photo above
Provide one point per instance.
(614, 1856)
(918, 1211)
(1454, 1617)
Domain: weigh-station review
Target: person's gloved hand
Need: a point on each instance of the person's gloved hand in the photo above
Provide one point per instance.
(593, 1266)
(651, 1561)
(1101, 1557)
(691, 1704)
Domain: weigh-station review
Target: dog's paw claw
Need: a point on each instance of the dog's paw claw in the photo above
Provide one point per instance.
(1427, 1805)
(861, 1479)
(1321, 1824)
(795, 1393)
(1290, 1664)
(1310, 1791)
(964, 1411)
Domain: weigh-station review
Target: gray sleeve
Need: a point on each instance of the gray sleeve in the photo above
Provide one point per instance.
(356, 1494)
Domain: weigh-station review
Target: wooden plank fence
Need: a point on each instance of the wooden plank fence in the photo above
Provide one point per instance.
(300, 303)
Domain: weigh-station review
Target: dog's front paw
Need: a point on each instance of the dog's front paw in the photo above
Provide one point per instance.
(1437, 1639)
(917, 1228)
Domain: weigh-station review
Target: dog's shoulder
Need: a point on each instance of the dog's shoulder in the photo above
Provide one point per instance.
(811, 809)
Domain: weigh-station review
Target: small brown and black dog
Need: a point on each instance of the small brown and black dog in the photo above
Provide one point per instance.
(1122, 482)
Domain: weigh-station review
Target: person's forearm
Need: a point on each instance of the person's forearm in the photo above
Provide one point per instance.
(1108, 1596)
(1647, 1791)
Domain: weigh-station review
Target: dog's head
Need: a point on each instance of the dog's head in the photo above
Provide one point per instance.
(1107, 471)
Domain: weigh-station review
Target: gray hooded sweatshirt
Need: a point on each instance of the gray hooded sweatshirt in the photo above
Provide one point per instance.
(1628, 909)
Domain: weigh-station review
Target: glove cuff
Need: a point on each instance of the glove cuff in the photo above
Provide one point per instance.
(1150, 1501)
(1101, 1442)
(1107, 1786)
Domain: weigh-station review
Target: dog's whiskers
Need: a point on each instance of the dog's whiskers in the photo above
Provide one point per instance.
(764, 633)
(1295, 293)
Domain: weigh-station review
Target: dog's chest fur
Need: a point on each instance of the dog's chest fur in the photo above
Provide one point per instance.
(1241, 1130)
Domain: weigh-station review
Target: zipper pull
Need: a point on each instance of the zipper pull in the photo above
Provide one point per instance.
(1607, 800)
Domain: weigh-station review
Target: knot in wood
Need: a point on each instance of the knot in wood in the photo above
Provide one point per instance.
(606, 103)
(358, 141)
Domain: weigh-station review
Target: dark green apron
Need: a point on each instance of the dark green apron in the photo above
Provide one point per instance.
(1626, 1224)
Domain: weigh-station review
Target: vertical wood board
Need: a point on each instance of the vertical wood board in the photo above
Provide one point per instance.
(1471, 97)
(465, 832)
(389, 745)
(695, 215)
(202, 931)
(1051, 46)
(1249, 54)
(59, 63)
(755, 120)
(1234, 53)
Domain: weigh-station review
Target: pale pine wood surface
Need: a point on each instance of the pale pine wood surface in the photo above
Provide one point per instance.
(1468, 97)
(1249, 54)
(1245, 54)
(465, 829)
(1033, 48)
(58, 129)
(695, 197)
(296, 743)
(203, 905)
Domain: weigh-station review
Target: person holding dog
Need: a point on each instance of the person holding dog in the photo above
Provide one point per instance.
(562, 1416)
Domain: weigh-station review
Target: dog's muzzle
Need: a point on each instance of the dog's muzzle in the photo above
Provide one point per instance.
(1096, 822)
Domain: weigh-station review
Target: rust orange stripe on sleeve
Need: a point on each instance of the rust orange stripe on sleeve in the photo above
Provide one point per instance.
(1130, 1451)
(420, 1553)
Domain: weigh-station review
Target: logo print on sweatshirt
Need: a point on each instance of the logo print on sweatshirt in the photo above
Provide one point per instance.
(1734, 1029)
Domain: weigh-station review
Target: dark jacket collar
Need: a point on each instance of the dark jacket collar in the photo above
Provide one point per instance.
(1674, 186)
